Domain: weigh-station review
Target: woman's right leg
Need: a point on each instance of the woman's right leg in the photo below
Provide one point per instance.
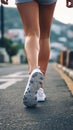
(29, 13)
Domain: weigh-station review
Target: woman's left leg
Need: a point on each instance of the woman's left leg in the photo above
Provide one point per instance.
(29, 12)
(46, 16)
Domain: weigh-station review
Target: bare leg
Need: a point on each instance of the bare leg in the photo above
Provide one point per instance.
(46, 15)
(30, 18)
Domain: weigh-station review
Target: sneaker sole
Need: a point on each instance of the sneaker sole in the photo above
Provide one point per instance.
(30, 98)
(41, 100)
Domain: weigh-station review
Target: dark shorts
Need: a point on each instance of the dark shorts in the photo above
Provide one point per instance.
(41, 2)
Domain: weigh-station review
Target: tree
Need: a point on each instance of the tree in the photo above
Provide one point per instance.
(11, 48)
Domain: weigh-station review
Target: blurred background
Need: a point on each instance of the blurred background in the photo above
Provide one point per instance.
(12, 37)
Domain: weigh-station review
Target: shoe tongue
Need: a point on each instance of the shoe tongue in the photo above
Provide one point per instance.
(36, 70)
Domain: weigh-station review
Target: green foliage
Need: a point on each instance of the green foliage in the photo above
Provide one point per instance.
(20, 46)
(11, 49)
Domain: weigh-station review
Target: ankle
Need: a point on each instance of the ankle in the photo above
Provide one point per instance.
(33, 68)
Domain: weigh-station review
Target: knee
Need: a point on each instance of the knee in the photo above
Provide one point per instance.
(45, 32)
(33, 34)
(44, 35)
(32, 38)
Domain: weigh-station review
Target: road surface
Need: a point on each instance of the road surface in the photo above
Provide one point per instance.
(56, 113)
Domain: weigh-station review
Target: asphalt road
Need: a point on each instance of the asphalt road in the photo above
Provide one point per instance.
(56, 113)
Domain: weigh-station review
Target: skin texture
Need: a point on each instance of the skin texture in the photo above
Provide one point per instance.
(37, 31)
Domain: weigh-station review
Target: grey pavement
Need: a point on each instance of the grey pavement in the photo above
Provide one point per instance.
(56, 113)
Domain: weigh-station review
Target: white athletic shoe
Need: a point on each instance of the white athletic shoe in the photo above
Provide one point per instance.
(41, 97)
(34, 83)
